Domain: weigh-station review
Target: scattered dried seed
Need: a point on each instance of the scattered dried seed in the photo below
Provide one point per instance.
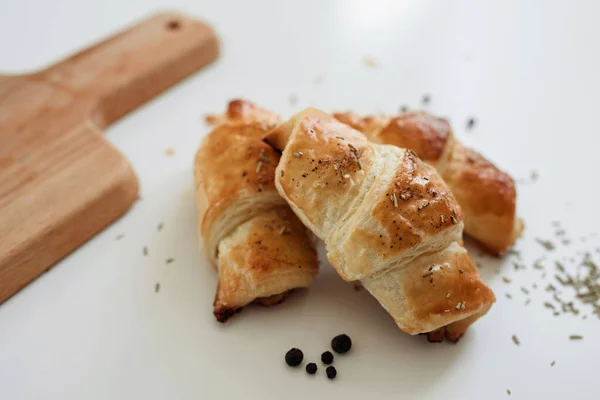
(169, 260)
(160, 226)
(506, 280)
(145, 250)
(156, 287)
(575, 337)
(548, 245)
(552, 363)
(515, 339)
(470, 123)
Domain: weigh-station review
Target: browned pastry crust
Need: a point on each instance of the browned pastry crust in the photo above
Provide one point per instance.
(387, 219)
(486, 194)
(261, 249)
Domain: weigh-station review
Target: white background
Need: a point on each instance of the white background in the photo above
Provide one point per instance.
(93, 327)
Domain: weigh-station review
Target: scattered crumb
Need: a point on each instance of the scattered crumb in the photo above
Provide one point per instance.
(534, 176)
(404, 109)
(370, 62)
(169, 152)
(160, 226)
(120, 236)
(293, 99)
(211, 119)
(426, 98)
(505, 279)
(157, 287)
(145, 250)
(169, 260)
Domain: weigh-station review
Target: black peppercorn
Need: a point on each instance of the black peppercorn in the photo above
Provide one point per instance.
(331, 372)
(311, 368)
(341, 344)
(294, 357)
(327, 357)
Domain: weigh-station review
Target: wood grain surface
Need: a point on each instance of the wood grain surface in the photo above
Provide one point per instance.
(60, 181)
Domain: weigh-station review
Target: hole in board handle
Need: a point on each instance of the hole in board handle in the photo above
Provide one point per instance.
(173, 25)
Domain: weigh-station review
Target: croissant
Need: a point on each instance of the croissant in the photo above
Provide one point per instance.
(261, 249)
(486, 194)
(387, 220)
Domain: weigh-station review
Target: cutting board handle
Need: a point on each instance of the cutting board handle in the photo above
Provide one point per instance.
(124, 71)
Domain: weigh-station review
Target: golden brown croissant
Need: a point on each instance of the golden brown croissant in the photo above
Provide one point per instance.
(486, 194)
(387, 219)
(260, 247)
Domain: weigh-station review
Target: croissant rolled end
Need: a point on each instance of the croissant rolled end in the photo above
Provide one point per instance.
(499, 250)
(436, 336)
(223, 314)
(277, 137)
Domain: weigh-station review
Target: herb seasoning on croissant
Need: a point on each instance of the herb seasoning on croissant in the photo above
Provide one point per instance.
(486, 194)
(260, 247)
(372, 227)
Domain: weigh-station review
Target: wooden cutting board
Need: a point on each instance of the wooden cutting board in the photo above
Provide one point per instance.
(60, 181)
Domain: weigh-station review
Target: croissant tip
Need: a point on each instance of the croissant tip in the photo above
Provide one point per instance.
(223, 314)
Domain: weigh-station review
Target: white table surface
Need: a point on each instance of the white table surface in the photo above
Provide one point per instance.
(94, 328)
